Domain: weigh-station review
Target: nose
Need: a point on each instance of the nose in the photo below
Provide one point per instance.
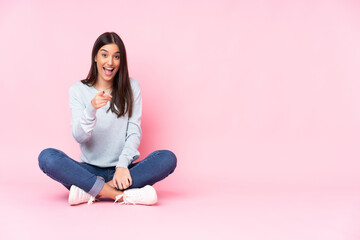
(110, 61)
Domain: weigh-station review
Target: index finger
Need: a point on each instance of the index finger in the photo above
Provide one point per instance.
(107, 94)
(101, 93)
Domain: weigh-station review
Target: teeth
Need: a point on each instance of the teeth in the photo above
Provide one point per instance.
(109, 69)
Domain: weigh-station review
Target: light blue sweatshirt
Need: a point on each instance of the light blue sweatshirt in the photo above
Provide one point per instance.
(105, 140)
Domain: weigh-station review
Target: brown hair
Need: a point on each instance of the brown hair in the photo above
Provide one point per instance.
(122, 100)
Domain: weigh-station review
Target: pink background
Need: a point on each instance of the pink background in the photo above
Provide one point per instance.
(259, 100)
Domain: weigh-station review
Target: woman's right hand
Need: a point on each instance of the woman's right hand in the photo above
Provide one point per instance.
(101, 99)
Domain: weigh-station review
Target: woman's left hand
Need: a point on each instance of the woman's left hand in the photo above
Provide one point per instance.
(122, 178)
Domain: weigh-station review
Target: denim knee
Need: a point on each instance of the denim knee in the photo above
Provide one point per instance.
(45, 158)
(168, 159)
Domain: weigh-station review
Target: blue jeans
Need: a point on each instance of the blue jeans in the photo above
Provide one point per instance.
(57, 165)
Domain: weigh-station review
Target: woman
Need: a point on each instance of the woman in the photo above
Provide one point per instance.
(105, 120)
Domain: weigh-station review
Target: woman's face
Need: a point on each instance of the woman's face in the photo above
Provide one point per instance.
(108, 61)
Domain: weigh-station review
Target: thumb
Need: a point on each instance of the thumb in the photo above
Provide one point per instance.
(101, 93)
(115, 183)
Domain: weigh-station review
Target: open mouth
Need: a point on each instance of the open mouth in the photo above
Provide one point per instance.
(108, 71)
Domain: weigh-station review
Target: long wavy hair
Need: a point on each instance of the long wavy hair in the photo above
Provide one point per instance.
(122, 96)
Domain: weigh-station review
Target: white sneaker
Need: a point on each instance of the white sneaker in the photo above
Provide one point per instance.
(145, 196)
(77, 196)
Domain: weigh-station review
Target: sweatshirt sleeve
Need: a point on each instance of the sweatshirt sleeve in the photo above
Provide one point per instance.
(133, 133)
(83, 117)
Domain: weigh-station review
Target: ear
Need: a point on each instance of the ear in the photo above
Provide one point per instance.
(95, 58)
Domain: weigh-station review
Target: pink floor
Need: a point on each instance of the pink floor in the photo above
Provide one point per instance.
(259, 100)
(211, 213)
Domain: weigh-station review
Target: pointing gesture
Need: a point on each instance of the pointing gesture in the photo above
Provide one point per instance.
(101, 99)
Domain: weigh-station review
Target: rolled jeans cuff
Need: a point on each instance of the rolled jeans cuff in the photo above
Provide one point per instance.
(96, 188)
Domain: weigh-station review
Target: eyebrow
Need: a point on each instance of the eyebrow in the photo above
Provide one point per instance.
(108, 51)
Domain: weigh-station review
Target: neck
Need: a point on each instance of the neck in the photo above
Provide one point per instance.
(103, 85)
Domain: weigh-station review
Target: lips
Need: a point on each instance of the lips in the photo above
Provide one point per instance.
(108, 71)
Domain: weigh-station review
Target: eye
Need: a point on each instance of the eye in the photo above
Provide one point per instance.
(117, 57)
(104, 55)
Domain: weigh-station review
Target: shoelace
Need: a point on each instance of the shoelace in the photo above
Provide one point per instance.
(126, 199)
(91, 200)
(118, 197)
